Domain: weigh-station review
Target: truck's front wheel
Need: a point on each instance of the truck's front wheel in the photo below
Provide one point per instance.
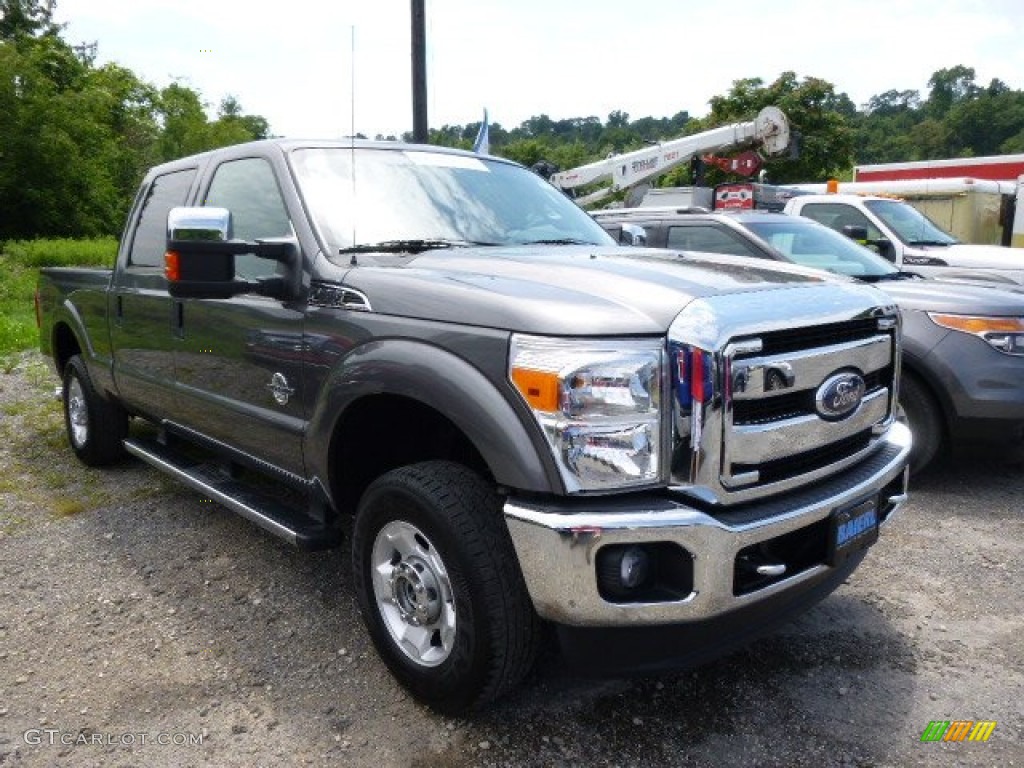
(439, 587)
(95, 426)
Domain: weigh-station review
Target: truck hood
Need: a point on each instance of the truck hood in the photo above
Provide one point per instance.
(1003, 264)
(570, 290)
(956, 298)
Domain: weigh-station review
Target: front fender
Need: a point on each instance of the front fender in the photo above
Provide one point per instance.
(516, 456)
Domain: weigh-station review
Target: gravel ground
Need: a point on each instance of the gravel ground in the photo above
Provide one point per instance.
(141, 626)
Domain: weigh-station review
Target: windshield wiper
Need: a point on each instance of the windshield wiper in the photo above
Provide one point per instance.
(557, 241)
(410, 246)
(889, 276)
(929, 242)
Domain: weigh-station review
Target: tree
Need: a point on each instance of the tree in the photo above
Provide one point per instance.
(618, 119)
(959, 118)
(183, 122)
(75, 139)
(233, 126)
(820, 115)
(26, 18)
(893, 103)
(55, 178)
(982, 124)
(949, 87)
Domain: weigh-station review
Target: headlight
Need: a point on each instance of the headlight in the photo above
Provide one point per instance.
(599, 405)
(1003, 333)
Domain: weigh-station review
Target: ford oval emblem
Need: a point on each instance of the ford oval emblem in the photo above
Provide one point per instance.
(839, 396)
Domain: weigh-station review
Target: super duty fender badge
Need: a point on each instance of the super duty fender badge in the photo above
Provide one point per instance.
(839, 395)
(924, 261)
(279, 388)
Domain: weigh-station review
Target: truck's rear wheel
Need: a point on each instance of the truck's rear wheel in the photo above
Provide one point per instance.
(439, 587)
(95, 426)
(921, 412)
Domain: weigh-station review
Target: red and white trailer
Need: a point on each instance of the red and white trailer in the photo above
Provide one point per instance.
(995, 168)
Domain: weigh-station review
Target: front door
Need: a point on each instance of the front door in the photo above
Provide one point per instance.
(239, 361)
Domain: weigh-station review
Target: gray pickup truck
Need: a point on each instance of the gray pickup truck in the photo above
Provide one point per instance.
(516, 424)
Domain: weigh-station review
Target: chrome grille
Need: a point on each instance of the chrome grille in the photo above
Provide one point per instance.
(765, 429)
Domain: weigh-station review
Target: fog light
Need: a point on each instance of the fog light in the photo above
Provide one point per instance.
(623, 569)
(634, 568)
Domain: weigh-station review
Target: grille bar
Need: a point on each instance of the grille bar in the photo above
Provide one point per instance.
(809, 337)
(808, 461)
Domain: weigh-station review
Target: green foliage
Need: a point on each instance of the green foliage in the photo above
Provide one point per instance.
(19, 271)
(17, 311)
(62, 252)
(959, 118)
(75, 139)
(26, 18)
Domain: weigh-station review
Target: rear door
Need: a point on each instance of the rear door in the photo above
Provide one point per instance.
(141, 312)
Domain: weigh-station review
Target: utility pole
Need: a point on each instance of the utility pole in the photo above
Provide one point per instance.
(419, 73)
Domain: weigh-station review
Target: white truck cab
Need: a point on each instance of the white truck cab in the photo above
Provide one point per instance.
(910, 239)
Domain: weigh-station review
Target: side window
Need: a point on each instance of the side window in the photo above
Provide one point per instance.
(699, 237)
(249, 190)
(838, 215)
(150, 240)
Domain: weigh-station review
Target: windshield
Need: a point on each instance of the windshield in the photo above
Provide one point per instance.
(397, 197)
(810, 244)
(910, 225)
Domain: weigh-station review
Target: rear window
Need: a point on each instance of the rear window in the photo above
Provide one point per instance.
(150, 241)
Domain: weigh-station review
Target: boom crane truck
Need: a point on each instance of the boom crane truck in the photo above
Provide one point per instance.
(768, 132)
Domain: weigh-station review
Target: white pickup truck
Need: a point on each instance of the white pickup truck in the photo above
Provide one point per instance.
(908, 238)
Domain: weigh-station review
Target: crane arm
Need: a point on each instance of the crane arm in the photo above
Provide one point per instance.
(769, 131)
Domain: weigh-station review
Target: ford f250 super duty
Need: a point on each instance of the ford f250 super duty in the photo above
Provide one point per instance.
(514, 421)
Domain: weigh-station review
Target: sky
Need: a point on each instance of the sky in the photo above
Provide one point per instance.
(328, 68)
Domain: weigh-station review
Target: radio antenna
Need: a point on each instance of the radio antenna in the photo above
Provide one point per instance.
(352, 86)
(352, 140)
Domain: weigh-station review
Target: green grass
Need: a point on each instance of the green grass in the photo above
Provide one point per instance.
(20, 261)
(62, 252)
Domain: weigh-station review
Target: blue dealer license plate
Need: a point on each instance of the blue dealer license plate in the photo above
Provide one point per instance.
(852, 528)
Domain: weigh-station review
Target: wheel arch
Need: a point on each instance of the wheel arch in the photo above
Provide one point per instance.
(397, 402)
(64, 345)
(913, 367)
(933, 446)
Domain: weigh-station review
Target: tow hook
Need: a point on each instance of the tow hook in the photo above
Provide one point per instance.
(761, 567)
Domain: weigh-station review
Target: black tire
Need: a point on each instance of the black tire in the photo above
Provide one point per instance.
(95, 425)
(922, 413)
(438, 526)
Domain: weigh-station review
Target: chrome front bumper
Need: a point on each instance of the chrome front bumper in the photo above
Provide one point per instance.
(556, 543)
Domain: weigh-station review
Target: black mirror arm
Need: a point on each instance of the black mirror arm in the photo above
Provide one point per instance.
(284, 251)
